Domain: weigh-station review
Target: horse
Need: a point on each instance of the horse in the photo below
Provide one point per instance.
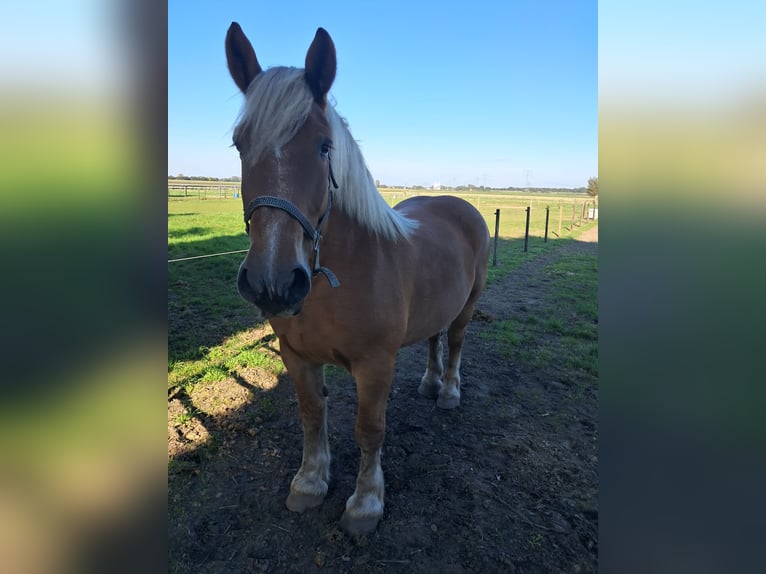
(387, 278)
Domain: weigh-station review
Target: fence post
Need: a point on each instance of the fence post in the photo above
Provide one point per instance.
(185, 194)
(547, 213)
(497, 227)
(526, 233)
(561, 211)
(582, 213)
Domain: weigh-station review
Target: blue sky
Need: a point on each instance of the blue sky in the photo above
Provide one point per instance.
(483, 93)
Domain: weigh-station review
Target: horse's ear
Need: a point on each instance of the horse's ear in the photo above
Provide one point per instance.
(321, 65)
(240, 56)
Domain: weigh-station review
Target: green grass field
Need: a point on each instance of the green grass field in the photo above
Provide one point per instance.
(207, 319)
(209, 215)
(562, 337)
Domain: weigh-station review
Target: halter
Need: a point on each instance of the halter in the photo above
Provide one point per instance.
(313, 233)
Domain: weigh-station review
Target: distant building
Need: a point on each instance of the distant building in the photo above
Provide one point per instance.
(436, 186)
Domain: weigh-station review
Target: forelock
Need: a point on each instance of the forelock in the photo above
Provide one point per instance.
(277, 104)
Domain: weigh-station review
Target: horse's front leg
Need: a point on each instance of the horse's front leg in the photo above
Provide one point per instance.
(309, 486)
(373, 382)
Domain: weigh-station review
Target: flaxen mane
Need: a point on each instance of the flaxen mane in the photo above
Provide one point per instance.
(277, 104)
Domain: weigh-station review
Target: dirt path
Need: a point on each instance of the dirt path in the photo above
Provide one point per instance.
(505, 483)
(589, 236)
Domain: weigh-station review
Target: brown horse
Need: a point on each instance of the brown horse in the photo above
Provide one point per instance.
(387, 278)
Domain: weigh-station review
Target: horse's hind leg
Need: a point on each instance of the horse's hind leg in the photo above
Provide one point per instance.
(432, 380)
(309, 486)
(449, 394)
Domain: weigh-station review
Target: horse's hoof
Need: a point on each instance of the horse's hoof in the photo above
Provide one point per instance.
(430, 389)
(300, 502)
(358, 526)
(448, 402)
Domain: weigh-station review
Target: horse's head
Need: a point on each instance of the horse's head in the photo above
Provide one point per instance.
(284, 141)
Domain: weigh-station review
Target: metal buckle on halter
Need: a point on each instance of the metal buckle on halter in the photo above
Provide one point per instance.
(331, 278)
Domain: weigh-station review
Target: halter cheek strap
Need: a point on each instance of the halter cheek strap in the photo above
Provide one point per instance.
(313, 233)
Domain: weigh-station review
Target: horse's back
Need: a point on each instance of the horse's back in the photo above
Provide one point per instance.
(446, 215)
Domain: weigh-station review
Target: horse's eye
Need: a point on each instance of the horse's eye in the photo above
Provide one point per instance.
(325, 150)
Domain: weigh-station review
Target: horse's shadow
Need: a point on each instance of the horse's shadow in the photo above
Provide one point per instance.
(239, 476)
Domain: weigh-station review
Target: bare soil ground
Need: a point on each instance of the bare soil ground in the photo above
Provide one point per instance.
(507, 482)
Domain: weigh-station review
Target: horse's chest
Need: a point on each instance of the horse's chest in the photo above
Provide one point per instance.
(311, 341)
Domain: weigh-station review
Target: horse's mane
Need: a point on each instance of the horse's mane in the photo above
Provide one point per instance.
(277, 104)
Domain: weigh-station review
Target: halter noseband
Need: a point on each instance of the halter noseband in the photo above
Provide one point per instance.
(313, 233)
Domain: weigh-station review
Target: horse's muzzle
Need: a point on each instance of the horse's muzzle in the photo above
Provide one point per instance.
(281, 297)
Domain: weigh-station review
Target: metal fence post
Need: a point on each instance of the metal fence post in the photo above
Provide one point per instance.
(547, 213)
(497, 228)
(526, 233)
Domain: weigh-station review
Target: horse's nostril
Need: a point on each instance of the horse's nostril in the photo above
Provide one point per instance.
(244, 287)
(301, 284)
(242, 283)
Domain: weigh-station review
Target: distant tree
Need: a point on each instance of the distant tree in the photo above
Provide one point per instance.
(593, 186)
(377, 183)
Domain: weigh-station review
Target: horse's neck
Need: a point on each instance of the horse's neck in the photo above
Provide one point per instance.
(345, 238)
